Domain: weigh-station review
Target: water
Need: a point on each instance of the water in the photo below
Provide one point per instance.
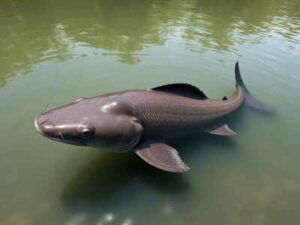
(54, 51)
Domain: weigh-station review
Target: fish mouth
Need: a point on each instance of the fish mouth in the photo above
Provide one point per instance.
(37, 126)
(70, 142)
(67, 141)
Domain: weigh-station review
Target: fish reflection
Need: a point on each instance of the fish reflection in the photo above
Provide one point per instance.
(120, 177)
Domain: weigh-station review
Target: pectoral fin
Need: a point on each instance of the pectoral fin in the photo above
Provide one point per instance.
(222, 130)
(162, 156)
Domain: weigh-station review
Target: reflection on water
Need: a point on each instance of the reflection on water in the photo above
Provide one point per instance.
(69, 49)
(53, 30)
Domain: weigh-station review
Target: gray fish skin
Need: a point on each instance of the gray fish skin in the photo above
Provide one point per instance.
(142, 120)
(165, 116)
(162, 115)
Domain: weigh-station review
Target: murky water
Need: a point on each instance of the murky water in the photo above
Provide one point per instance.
(54, 51)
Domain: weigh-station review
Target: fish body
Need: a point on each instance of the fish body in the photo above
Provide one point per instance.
(165, 115)
(143, 120)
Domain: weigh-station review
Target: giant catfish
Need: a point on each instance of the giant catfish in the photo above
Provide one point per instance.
(144, 120)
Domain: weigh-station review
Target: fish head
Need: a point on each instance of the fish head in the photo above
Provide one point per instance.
(91, 122)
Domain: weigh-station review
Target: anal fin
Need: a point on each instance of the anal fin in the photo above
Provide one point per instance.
(162, 156)
(222, 130)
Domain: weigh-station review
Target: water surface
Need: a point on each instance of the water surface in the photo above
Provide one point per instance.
(54, 51)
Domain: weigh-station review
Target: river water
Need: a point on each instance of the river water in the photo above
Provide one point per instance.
(54, 51)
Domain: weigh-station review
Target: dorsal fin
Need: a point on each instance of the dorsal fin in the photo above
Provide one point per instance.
(186, 90)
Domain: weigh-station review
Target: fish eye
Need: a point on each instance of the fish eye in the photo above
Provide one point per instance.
(87, 133)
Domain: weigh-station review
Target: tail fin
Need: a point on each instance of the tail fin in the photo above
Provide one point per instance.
(250, 101)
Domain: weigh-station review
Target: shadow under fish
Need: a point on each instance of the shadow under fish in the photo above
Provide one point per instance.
(112, 180)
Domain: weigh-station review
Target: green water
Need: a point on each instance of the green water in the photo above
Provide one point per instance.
(54, 51)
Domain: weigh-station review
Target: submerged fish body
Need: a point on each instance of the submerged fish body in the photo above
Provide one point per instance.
(142, 120)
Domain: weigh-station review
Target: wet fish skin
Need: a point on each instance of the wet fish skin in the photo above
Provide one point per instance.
(143, 120)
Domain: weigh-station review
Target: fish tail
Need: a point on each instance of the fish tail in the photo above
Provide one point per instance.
(250, 100)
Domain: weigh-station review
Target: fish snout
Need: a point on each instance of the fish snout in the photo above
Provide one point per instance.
(68, 133)
(46, 127)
